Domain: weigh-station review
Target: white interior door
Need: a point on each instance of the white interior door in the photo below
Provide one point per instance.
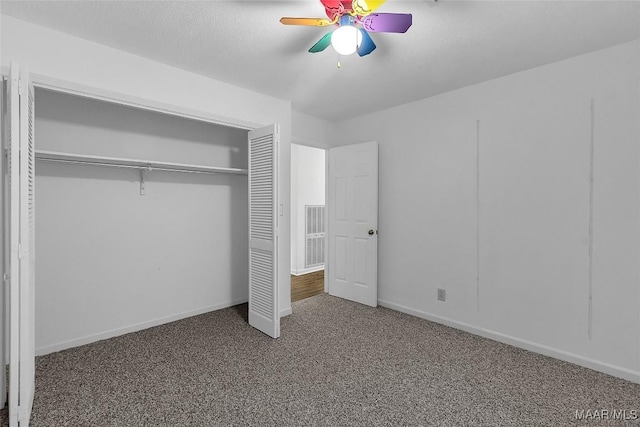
(353, 222)
(263, 230)
(21, 269)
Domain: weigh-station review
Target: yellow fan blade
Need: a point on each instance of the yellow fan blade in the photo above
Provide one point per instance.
(365, 7)
(311, 22)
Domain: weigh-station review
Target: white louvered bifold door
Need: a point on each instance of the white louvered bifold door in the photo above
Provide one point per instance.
(27, 242)
(263, 216)
(13, 267)
(22, 258)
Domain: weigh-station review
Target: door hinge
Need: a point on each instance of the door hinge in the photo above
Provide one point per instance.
(21, 87)
(5, 277)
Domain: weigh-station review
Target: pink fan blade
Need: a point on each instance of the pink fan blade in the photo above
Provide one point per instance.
(331, 4)
(333, 8)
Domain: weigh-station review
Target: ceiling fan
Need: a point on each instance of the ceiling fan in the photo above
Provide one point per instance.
(355, 19)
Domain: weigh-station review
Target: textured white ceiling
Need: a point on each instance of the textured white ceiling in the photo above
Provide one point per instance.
(451, 45)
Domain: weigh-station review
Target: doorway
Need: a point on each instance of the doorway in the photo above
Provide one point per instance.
(308, 221)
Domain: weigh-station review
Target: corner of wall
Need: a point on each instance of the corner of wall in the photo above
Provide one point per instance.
(312, 131)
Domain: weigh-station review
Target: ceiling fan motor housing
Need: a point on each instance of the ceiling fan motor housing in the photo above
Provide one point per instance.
(346, 20)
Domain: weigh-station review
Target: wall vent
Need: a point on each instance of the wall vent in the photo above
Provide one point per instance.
(314, 236)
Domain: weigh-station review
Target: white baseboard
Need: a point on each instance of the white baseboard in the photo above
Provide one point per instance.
(285, 312)
(616, 371)
(133, 328)
(307, 270)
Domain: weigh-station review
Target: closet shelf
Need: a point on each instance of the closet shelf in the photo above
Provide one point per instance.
(146, 165)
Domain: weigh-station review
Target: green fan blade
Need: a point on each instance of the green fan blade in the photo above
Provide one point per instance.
(322, 44)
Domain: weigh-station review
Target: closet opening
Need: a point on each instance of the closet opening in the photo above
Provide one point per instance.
(308, 221)
(142, 219)
(147, 213)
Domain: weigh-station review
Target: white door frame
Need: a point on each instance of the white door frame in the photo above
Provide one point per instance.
(327, 202)
(3, 290)
(315, 144)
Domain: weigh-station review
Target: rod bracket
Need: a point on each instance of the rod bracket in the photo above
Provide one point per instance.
(143, 173)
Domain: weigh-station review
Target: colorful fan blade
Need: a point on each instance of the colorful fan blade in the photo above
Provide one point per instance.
(387, 22)
(365, 7)
(322, 44)
(331, 4)
(367, 46)
(344, 5)
(311, 22)
(347, 6)
(333, 8)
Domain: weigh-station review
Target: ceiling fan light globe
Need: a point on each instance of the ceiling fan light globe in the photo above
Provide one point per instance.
(346, 39)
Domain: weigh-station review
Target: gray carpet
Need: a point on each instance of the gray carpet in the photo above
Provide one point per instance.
(336, 364)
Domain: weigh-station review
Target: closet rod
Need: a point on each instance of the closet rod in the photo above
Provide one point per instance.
(142, 168)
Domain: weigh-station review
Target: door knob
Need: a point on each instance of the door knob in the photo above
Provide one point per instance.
(371, 232)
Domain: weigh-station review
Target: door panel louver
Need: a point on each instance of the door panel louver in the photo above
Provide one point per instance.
(27, 238)
(314, 236)
(263, 293)
(262, 275)
(262, 188)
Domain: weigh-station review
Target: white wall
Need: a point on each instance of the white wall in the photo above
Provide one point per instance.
(307, 131)
(53, 55)
(110, 258)
(516, 211)
(312, 131)
(307, 188)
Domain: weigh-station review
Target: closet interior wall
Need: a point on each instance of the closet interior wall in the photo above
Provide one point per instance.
(110, 260)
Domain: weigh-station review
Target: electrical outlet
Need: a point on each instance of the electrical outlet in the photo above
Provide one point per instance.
(441, 294)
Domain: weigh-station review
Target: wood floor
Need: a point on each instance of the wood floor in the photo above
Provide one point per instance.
(307, 285)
